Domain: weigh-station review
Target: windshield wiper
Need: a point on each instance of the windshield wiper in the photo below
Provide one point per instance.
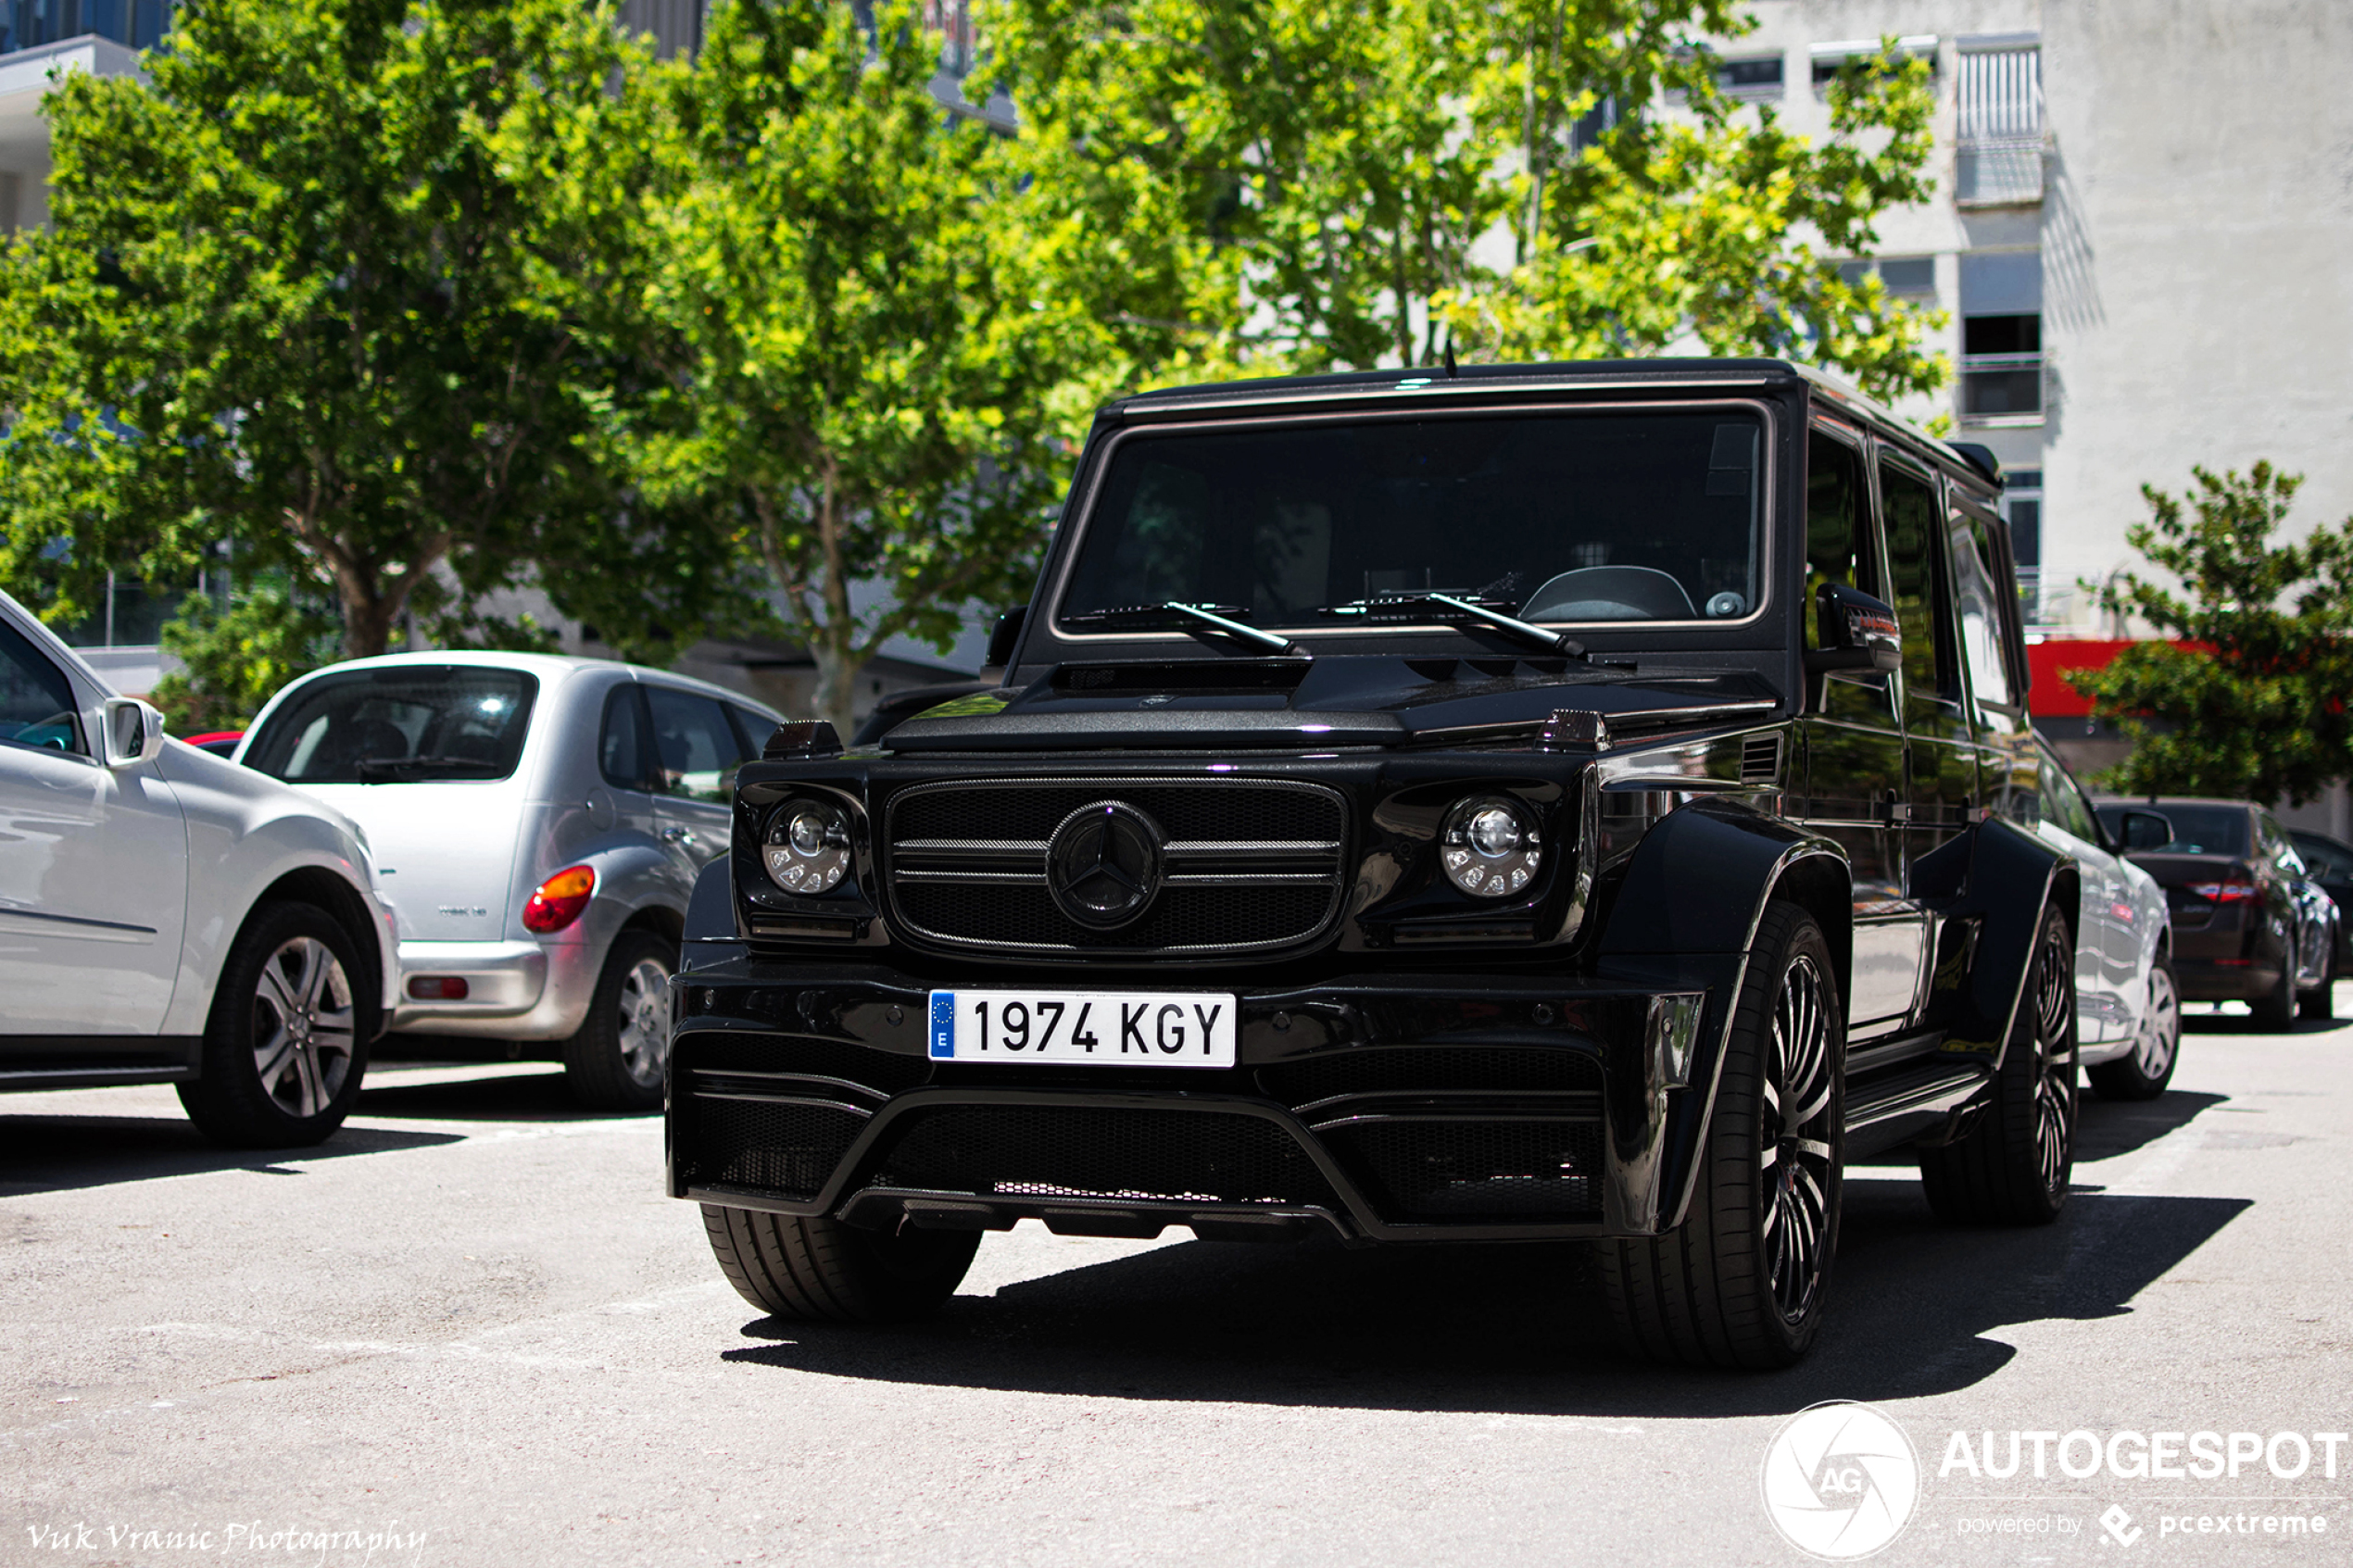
(374, 768)
(1201, 621)
(1526, 631)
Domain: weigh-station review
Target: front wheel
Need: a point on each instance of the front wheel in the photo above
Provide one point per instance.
(2158, 1045)
(1742, 1282)
(286, 1045)
(816, 1267)
(616, 1060)
(2013, 1168)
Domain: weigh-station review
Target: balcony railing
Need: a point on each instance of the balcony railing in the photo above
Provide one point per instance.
(2001, 388)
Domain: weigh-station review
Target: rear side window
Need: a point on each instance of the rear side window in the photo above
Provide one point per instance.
(408, 723)
(1838, 539)
(751, 729)
(620, 739)
(1930, 673)
(1979, 611)
(36, 701)
(696, 748)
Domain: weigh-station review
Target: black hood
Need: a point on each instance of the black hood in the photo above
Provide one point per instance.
(1343, 700)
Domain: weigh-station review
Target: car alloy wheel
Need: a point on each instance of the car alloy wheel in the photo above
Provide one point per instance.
(302, 1026)
(2161, 1034)
(644, 1007)
(1796, 1152)
(2054, 1056)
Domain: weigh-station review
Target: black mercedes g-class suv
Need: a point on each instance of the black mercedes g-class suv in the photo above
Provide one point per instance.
(1545, 802)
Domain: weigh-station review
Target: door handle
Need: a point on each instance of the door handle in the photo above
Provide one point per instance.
(677, 835)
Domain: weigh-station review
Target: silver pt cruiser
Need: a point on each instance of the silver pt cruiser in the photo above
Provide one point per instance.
(538, 822)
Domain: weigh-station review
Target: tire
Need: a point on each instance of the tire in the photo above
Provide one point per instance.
(2013, 1168)
(2145, 1073)
(2318, 1005)
(616, 1060)
(2276, 1007)
(1743, 1283)
(819, 1268)
(286, 1045)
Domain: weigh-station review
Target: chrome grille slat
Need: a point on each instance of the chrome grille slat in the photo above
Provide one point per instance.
(1224, 888)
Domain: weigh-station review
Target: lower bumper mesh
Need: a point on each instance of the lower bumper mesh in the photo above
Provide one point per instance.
(1095, 1152)
(776, 1147)
(1450, 1170)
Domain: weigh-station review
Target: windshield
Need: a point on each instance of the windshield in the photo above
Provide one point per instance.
(402, 724)
(1559, 516)
(2197, 830)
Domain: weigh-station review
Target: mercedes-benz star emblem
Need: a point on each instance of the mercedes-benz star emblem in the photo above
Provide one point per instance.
(1103, 865)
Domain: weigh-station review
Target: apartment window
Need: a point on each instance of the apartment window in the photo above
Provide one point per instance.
(1998, 159)
(2002, 337)
(1907, 277)
(1829, 60)
(26, 24)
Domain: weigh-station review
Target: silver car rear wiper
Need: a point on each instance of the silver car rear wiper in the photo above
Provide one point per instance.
(371, 769)
(1526, 631)
(1198, 619)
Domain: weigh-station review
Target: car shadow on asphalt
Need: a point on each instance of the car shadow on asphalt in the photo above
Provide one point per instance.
(2245, 1023)
(1509, 1329)
(64, 1153)
(518, 1097)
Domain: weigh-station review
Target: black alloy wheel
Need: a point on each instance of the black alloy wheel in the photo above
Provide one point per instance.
(1743, 1281)
(2013, 1167)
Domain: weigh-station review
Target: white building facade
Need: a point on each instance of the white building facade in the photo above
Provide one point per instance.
(2142, 232)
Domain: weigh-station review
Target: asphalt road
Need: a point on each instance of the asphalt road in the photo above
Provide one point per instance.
(470, 1330)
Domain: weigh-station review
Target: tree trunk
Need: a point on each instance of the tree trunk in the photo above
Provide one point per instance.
(837, 693)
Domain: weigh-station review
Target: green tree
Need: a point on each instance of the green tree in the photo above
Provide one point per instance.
(878, 362)
(235, 661)
(2253, 681)
(1313, 184)
(349, 287)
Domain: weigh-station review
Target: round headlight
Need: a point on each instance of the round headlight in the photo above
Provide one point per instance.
(807, 847)
(1490, 846)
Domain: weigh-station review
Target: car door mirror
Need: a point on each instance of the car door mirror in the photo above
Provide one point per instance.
(1004, 636)
(1857, 632)
(132, 731)
(2145, 830)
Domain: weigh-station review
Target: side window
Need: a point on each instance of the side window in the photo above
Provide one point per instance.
(620, 742)
(751, 732)
(36, 700)
(696, 751)
(1932, 674)
(1978, 612)
(1838, 540)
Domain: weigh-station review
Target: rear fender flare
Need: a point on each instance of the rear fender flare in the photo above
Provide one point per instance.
(1988, 889)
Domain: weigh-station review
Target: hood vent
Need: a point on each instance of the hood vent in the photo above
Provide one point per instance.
(1761, 760)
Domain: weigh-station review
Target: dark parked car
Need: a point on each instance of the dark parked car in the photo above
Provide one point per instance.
(2250, 924)
(2330, 861)
(1571, 801)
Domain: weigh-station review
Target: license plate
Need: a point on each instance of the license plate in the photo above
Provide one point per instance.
(1084, 1028)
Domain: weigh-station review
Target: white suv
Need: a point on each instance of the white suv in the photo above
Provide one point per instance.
(169, 917)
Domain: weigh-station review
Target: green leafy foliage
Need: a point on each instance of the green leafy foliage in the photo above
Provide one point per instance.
(1315, 185)
(876, 360)
(2256, 700)
(349, 287)
(236, 662)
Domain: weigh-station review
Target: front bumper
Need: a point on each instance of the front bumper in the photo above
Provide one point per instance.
(1384, 1106)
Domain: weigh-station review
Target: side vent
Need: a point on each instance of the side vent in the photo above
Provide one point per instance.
(1761, 760)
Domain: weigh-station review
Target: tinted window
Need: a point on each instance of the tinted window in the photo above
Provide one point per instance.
(620, 739)
(1977, 611)
(2197, 830)
(2329, 861)
(1838, 544)
(407, 723)
(696, 751)
(1556, 517)
(36, 700)
(1930, 675)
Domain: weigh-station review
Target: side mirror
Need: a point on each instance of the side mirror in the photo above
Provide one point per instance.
(132, 731)
(2146, 830)
(1006, 635)
(1857, 632)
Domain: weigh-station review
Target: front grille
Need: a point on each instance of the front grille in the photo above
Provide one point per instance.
(1430, 1070)
(1249, 865)
(1082, 1152)
(1463, 1170)
(775, 1146)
